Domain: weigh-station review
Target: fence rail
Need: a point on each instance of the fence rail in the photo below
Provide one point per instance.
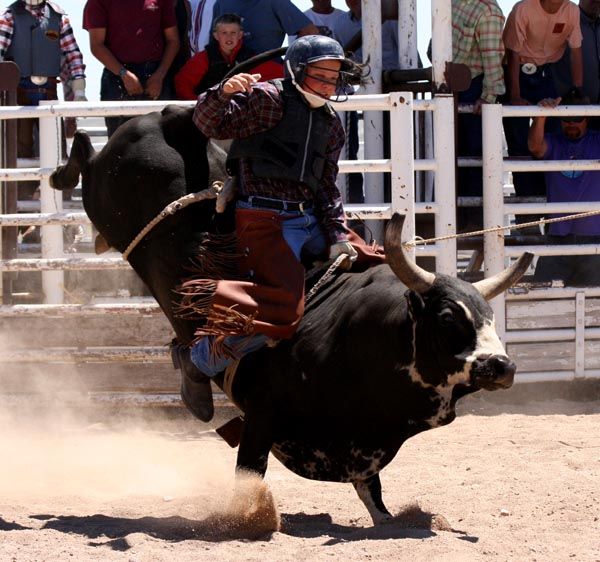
(402, 166)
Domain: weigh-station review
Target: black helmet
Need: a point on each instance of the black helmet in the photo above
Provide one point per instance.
(312, 48)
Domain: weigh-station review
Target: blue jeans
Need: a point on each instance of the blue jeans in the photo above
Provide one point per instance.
(534, 88)
(113, 89)
(301, 231)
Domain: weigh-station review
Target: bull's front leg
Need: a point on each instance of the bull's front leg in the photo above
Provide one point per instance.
(255, 443)
(369, 491)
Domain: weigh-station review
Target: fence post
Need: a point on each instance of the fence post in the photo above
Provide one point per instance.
(373, 120)
(403, 163)
(493, 204)
(9, 80)
(51, 202)
(445, 218)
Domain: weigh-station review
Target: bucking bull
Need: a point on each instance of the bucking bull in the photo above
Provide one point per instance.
(380, 355)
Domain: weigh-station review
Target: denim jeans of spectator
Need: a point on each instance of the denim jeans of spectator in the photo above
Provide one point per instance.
(575, 271)
(302, 232)
(113, 89)
(534, 88)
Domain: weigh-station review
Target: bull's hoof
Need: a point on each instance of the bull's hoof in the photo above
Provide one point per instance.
(196, 392)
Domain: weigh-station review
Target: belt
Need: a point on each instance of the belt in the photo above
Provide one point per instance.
(277, 204)
(532, 68)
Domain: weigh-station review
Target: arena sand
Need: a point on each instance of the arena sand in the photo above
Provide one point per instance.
(500, 483)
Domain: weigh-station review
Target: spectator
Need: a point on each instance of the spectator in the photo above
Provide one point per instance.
(266, 22)
(183, 15)
(573, 142)
(38, 37)
(589, 12)
(346, 27)
(324, 16)
(536, 35)
(200, 30)
(136, 42)
(477, 43)
(288, 141)
(209, 67)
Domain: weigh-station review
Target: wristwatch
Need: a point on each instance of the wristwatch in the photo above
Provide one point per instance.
(122, 72)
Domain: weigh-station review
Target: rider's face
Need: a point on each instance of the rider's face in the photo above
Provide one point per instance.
(321, 77)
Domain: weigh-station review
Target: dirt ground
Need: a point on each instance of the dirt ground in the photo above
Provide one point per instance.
(503, 482)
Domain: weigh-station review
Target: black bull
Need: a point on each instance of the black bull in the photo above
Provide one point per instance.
(379, 356)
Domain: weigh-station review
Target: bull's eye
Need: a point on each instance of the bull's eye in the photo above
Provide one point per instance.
(446, 318)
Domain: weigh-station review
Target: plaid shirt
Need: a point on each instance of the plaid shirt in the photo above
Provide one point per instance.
(221, 116)
(477, 42)
(72, 58)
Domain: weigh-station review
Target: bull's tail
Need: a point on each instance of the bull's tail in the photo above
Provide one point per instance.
(67, 176)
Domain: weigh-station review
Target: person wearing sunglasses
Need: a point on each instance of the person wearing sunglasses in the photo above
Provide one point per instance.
(574, 141)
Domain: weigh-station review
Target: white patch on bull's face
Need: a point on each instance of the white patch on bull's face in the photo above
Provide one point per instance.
(487, 343)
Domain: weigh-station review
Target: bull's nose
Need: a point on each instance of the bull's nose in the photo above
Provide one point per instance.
(502, 366)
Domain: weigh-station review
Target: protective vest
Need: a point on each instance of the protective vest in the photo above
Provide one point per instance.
(35, 45)
(218, 67)
(294, 149)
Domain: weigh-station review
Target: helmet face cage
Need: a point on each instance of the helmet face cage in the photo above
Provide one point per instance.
(310, 49)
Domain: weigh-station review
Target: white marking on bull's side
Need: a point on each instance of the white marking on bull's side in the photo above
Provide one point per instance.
(445, 396)
(374, 458)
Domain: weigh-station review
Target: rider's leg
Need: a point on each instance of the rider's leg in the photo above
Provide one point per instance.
(299, 230)
(211, 364)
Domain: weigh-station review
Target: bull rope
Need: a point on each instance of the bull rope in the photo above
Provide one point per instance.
(211, 192)
(422, 241)
(330, 271)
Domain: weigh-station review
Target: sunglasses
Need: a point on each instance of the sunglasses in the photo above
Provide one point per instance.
(573, 119)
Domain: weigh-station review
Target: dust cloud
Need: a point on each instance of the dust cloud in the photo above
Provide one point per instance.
(56, 443)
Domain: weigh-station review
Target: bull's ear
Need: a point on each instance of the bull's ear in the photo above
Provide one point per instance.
(416, 305)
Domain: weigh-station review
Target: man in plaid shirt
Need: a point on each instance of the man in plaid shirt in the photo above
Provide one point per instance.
(287, 141)
(477, 43)
(38, 37)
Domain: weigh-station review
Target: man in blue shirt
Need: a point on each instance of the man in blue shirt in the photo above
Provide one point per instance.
(574, 141)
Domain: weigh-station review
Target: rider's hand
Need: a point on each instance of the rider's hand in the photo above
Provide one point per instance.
(343, 248)
(240, 83)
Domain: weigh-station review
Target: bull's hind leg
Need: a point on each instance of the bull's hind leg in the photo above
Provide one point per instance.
(369, 491)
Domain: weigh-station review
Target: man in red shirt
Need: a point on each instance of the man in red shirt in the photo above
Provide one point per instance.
(209, 67)
(136, 42)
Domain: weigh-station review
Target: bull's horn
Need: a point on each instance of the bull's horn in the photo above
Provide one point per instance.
(407, 271)
(493, 286)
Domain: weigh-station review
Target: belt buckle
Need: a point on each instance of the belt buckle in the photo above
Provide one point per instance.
(529, 68)
(301, 206)
(38, 80)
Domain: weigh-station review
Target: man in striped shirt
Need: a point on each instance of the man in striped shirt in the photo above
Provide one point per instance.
(38, 37)
(476, 43)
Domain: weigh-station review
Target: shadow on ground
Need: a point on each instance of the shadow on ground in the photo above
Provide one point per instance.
(113, 532)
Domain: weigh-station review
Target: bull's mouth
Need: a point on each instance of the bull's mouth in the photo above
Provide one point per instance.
(493, 373)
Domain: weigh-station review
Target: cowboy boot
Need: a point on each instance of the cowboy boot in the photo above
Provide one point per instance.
(196, 392)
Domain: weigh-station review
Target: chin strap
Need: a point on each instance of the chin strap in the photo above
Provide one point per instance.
(313, 100)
